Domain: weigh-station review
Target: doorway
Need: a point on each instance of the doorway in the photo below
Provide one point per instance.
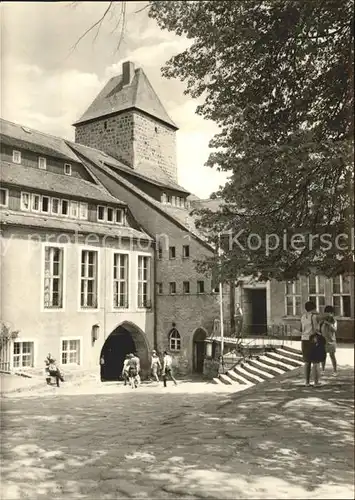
(125, 339)
(255, 315)
(199, 350)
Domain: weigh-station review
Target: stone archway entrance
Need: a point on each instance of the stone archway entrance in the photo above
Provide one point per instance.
(125, 339)
(199, 349)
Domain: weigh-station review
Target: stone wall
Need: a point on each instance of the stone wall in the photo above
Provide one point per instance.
(133, 138)
(113, 135)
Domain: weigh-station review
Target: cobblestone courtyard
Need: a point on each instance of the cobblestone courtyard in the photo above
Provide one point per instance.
(279, 440)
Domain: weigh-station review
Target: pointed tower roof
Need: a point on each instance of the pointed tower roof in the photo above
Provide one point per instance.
(130, 90)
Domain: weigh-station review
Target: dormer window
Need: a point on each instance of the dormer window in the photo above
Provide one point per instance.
(16, 157)
(110, 214)
(119, 216)
(168, 200)
(42, 163)
(101, 213)
(67, 169)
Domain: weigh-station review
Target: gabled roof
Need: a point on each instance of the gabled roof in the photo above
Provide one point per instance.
(42, 180)
(115, 98)
(14, 134)
(146, 171)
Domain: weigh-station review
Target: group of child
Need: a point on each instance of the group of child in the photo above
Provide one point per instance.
(131, 369)
(318, 340)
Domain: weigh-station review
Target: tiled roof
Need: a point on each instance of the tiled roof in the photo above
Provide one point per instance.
(49, 222)
(42, 180)
(115, 98)
(212, 204)
(180, 216)
(146, 171)
(20, 136)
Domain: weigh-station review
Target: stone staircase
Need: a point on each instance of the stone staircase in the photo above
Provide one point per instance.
(262, 367)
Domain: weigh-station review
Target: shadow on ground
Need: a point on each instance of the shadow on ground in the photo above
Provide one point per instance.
(279, 441)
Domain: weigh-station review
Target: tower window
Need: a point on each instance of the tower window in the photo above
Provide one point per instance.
(156, 129)
(105, 125)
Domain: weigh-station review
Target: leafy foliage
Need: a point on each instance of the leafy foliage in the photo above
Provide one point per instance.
(277, 77)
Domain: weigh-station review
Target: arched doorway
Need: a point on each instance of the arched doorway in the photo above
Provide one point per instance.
(125, 339)
(199, 349)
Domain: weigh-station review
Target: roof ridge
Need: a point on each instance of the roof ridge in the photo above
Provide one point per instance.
(31, 128)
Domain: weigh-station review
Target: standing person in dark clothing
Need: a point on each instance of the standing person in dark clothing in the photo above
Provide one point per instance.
(312, 346)
(168, 368)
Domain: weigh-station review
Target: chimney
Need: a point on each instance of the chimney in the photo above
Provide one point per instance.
(127, 73)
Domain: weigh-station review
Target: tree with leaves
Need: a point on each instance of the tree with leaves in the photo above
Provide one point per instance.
(276, 76)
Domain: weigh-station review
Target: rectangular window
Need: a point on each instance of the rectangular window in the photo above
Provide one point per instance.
(159, 288)
(200, 287)
(168, 199)
(4, 197)
(186, 287)
(186, 251)
(143, 281)
(71, 352)
(120, 280)
(35, 202)
(64, 207)
(88, 279)
(160, 252)
(16, 156)
(83, 210)
(42, 163)
(119, 216)
(67, 168)
(101, 213)
(316, 291)
(25, 201)
(172, 252)
(23, 354)
(45, 204)
(172, 287)
(55, 206)
(74, 209)
(53, 277)
(341, 296)
(293, 300)
(110, 215)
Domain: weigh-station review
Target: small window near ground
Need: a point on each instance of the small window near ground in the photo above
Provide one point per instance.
(186, 287)
(23, 354)
(67, 169)
(186, 251)
(174, 340)
(172, 287)
(200, 287)
(159, 288)
(42, 163)
(71, 352)
(16, 157)
(4, 197)
(172, 252)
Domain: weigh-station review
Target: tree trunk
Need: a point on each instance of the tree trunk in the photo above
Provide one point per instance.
(232, 307)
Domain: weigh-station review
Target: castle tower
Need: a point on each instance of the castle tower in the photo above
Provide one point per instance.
(128, 121)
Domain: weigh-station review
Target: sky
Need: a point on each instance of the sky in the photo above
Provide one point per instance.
(47, 84)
